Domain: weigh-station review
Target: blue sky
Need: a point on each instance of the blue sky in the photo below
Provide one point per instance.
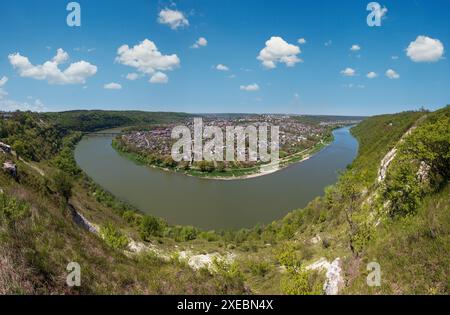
(236, 32)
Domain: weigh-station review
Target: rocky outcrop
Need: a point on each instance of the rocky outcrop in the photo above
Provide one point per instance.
(4, 148)
(197, 262)
(333, 270)
(81, 221)
(10, 168)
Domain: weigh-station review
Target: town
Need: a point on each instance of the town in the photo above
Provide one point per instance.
(296, 135)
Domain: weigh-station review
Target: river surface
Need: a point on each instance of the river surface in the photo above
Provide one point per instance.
(215, 204)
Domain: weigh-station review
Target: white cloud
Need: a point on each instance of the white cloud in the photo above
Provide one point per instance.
(147, 59)
(250, 88)
(201, 42)
(222, 67)
(11, 105)
(159, 78)
(3, 93)
(173, 18)
(277, 50)
(425, 49)
(391, 74)
(348, 72)
(113, 86)
(3, 81)
(372, 75)
(301, 41)
(132, 76)
(394, 57)
(355, 48)
(76, 73)
(328, 43)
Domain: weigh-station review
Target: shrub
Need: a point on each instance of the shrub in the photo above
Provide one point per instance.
(113, 237)
(63, 185)
(11, 209)
(150, 227)
(260, 268)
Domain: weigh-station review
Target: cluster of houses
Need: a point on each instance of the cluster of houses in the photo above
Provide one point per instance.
(293, 134)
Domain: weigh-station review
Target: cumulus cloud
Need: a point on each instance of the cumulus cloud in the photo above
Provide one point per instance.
(113, 86)
(3, 81)
(250, 88)
(277, 50)
(132, 76)
(391, 74)
(201, 42)
(11, 105)
(147, 59)
(355, 48)
(173, 18)
(301, 41)
(425, 49)
(371, 75)
(76, 73)
(348, 72)
(222, 67)
(159, 78)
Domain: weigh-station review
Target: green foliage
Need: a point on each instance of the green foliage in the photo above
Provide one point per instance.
(421, 165)
(88, 121)
(403, 190)
(206, 166)
(376, 136)
(260, 268)
(113, 237)
(209, 236)
(11, 209)
(430, 144)
(182, 233)
(65, 159)
(297, 280)
(31, 135)
(63, 185)
(151, 227)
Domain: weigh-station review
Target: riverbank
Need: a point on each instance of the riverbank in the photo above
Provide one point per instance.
(216, 204)
(231, 174)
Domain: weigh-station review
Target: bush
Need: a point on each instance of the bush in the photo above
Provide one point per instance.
(297, 280)
(113, 237)
(150, 227)
(206, 167)
(11, 209)
(260, 268)
(63, 185)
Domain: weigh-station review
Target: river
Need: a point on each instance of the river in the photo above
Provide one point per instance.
(215, 204)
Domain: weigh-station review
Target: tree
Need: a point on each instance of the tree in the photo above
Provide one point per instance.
(149, 227)
(63, 184)
(348, 193)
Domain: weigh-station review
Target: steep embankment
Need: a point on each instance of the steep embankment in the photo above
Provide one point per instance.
(45, 223)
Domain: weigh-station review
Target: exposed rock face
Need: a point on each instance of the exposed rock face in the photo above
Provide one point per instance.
(4, 148)
(389, 157)
(197, 262)
(333, 273)
(10, 168)
(79, 219)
